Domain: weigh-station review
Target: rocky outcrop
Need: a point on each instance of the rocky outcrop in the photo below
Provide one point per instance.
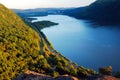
(102, 77)
(66, 77)
(31, 75)
(108, 78)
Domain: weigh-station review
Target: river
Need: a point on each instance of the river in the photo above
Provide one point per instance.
(86, 44)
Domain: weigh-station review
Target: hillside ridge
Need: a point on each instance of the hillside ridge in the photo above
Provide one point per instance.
(101, 12)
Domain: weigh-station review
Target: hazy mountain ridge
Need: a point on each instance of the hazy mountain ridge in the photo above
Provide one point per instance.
(38, 11)
(103, 12)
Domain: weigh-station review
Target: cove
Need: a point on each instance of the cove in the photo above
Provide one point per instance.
(78, 40)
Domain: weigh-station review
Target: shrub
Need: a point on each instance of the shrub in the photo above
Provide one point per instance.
(105, 70)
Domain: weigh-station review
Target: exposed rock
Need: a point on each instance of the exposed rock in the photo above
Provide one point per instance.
(105, 77)
(66, 77)
(108, 78)
(31, 75)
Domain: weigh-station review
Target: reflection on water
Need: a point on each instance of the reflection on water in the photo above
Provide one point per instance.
(84, 44)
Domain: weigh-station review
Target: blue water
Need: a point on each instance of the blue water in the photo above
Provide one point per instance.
(78, 40)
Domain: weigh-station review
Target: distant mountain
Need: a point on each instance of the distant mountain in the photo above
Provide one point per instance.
(39, 11)
(24, 47)
(104, 12)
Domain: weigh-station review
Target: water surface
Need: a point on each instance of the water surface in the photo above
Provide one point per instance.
(84, 44)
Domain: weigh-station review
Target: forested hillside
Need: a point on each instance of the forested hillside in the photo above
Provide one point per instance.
(18, 44)
(22, 49)
(103, 12)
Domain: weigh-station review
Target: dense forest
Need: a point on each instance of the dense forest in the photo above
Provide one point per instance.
(103, 12)
(23, 48)
(44, 24)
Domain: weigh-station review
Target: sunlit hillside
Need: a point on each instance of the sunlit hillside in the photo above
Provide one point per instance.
(22, 48)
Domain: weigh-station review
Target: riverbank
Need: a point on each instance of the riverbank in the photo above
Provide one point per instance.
(37, 26)
(82, 43)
